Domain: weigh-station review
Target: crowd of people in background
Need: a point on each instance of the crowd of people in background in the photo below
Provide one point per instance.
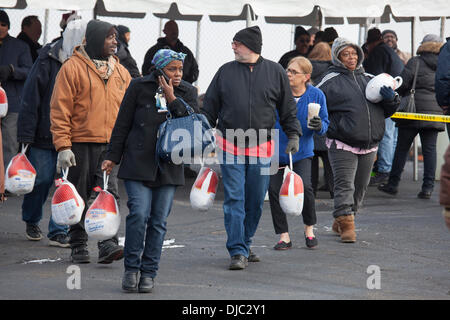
(82, 103)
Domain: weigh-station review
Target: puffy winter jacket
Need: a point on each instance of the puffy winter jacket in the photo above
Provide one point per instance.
(425, 97)
(33, 125)
(15, 52)
(353, 119)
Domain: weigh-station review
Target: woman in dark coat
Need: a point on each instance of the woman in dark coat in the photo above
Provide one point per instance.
(355, 130)
(150, 187)
(425, 101)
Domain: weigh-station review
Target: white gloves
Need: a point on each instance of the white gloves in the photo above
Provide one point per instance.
(66, 159)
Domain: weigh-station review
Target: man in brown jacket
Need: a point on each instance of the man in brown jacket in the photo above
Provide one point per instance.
(86, 98)
(445, 187)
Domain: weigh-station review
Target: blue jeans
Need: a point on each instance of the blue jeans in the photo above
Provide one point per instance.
(44, 161)
(146, 221)
(244, 191)
(386, 148)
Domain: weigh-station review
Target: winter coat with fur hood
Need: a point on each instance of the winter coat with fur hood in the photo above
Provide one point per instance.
(425, 96)
(353, 119)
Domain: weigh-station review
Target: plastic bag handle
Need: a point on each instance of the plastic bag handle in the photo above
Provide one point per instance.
(105, 180)
(65, 172)
(24, 148)
(290, 160)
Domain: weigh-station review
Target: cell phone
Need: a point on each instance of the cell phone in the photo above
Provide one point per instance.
(160, 72)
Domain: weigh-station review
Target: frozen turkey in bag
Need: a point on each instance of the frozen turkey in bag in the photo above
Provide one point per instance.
(102, 219)
(291, 193)
(3, 103)
(67, 204)
(20, 174)
(204, 189)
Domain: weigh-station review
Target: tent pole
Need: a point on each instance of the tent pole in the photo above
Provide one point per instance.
(46, 26)
(442, 28)
(197, 46)
(416, 139)
(160, 27)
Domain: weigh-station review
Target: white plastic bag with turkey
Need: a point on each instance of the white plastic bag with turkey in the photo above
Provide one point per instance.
(3, 103)
(291, 192)
(102, 219)
(20, 174)
(67, 204)
(204, 189)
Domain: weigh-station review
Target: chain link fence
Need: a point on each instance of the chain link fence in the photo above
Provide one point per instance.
(212, 44)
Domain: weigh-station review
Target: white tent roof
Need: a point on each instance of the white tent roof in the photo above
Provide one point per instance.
(274, 8)
(330, 8)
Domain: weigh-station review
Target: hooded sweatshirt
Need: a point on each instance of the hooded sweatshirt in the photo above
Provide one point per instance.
(84, 106)
(354, 120)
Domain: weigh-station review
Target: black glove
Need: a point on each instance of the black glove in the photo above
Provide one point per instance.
(315, 123)
(292, 145)
(5, 72)
(387, 93)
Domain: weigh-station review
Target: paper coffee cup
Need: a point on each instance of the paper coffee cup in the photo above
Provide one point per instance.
(313, 110)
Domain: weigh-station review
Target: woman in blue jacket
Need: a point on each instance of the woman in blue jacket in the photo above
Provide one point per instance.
(299, 73)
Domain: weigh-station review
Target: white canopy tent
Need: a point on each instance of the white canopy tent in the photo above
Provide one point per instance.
(364, 12)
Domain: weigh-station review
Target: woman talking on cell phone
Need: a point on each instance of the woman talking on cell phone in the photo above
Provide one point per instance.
(150, 187)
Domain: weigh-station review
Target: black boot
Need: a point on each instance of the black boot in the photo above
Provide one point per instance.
(109, 251)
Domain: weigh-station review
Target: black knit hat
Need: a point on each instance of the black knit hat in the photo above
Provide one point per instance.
(329, 35)
(4, 18)
(251, 37)
(373, 35)
(389, 31)
(299, 31)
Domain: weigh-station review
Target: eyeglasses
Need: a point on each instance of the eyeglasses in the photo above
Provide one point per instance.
(293, 72)
(349, 54)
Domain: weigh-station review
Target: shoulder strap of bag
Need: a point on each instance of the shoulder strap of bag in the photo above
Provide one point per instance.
(413, 89)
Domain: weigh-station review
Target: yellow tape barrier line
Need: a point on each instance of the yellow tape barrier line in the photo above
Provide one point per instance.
(421, 116)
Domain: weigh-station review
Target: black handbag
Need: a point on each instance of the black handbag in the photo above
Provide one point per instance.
(179, 139)
(407, 103)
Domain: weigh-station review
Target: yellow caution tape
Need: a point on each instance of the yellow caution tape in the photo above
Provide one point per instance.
(421, 116)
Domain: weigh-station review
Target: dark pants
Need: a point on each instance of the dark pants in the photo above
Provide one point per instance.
(9, 135)
(405, 139)
(328, 172)
(86, 175)
(146, 226)
(303, 169)
(351, 174)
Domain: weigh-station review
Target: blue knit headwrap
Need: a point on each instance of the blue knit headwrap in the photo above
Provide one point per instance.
(165, 56)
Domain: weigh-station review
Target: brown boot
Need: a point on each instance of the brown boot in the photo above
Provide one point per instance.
(346, 225)
(336, 228)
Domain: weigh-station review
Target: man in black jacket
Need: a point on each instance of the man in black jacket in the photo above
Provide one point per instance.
(243, 99)
(383, 59)
(301, 40)
(123, 53)
(15, 64)
(33, 127)
(30, 34)
(171, 41)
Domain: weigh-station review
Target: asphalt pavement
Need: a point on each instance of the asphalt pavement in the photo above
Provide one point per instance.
(402, 252)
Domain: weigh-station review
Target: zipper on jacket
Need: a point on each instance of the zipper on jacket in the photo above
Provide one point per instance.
(367, 107)
(250, 98)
